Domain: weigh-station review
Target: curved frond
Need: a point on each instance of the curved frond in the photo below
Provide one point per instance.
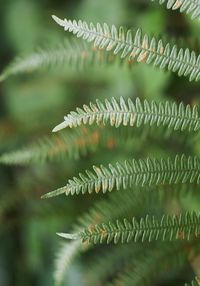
(150, 266)
(73, 144)
(65, 256)
(73, 53)
(102, 211)
(168, 228)
(170, 115)
(81, 141)
(110, 263)
(191, 7)
(136, 47)
(148, 172)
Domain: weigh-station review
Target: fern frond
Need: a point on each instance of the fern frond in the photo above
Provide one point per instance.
(82, 141)
(74, 144)
(109, 209)
(150, 266)
(110, 262)
(66, 254)
(72, 53)
(191, 7)
(71, 144)
(103, 210)
(79, 143)
(168, 228)
(195, 282)
(170, 115)
(148, 172)
(136, 47)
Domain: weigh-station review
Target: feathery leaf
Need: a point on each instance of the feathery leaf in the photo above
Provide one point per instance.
(71, 144)
(103, 210)
(148, 172)
(136, 46)
(168, 228)
(170, 115)
(150, 266)
(73, 53)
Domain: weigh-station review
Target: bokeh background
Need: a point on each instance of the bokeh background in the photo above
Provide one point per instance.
(32, 104)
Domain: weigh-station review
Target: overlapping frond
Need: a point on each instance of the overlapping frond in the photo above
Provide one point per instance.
(72, 144)
(195, 282)
(81, 141)
(151, 228)
(191, 7)
(136, 47)
(72, 53)
(111, 262)
(102, 211)
(142, 172)
(126, 112)
(65, 256)
(149, 267)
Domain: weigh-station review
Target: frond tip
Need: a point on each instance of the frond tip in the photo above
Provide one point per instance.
(170, 115)
(56, 193)
(60, 126)
(69, 235)
(58, 21)
(148, 172)
(168, 228)
(136, 46)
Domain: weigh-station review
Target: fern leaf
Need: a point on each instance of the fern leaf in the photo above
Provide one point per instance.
(150, 266)
(170, 115)
(195, 282)
(73, 53)
(191, 7)
(110, 263)
(148, 172)
(50, 148)
(103, 210)
(83, 141)
(65, 256)
(168, 228)
(136, 47)
(70, 144)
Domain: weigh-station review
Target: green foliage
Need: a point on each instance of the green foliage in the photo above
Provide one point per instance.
(77, 143)
(149, 266)
(184, 226)
(171, 115)
(103, 211)
(65, 256)
(73, 144)
(188, 6)
(72, 53)
(193, 283)
(145, 221)
(138, 47)
(148, 172)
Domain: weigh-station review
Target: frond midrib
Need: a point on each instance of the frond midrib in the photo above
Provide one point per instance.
(70, 187)
(133, 45)
(149, 228)
(70, 117)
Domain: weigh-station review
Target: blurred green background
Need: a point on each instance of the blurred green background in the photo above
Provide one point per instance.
(31, 105)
